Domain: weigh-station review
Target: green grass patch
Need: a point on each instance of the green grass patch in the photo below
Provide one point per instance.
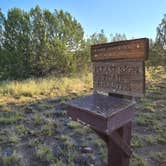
(137, 142)
(49, 128)
(22, 130)
(43, 106)
(137, 160)
(160, 128)
(10, 117)
(13, 139)
(33, 143)
(150, 139)
(161, 139)
(45, 153)
(73, 125)
(14, 159)
(38, 119)
(145, 119)
(160, 157)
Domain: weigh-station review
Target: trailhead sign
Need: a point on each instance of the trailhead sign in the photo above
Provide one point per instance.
(119, 72)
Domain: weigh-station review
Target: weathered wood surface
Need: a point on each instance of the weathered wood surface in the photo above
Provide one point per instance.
(101, 112)
(121, 77)
(118, 143)
(128, 49)
(117, 147)
(102, 105)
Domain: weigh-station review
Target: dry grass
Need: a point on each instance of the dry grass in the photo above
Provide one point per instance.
(152, 72)
(48, 87)
(32, 89)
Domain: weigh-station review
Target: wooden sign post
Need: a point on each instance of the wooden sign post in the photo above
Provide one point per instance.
(118, 69)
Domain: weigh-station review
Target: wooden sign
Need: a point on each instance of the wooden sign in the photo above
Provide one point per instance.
(118, 68)
(121, 77)
(128, 49)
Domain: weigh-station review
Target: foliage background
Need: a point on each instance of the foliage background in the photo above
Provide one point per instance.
(39, 42)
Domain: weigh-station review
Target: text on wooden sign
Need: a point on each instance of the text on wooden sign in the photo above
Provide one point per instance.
(129, 49)
(117, 77)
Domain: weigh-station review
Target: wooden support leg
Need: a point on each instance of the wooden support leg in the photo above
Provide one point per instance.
(116, 143)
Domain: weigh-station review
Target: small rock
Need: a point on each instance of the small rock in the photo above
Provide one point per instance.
(8, 151)
(87, 150)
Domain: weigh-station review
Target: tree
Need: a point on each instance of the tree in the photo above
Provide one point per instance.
(97, 38)
(118, 37)
(160, 44)
(69, 30)
(161, 32)
(38, 38)
(2, 19)
(38, 42)
(16, 43)
(156, 54)
(83, 54)
(55, 39)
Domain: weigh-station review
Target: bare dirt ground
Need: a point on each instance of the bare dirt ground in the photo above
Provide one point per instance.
(40, 133)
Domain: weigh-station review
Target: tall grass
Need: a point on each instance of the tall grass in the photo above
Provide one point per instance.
(31, 89)
(155, 73)
(44, 87)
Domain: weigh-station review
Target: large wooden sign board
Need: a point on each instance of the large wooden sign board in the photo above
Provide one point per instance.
(118, 67)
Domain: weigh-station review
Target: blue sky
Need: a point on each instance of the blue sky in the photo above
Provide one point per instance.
(135, 18)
